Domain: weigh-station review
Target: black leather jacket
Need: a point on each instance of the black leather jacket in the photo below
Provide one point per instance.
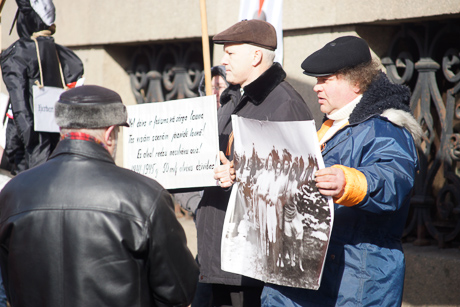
(80, 231)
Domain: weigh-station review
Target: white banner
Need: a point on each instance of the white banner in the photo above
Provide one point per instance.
(174, 142)
(267, 10)
(44, 100)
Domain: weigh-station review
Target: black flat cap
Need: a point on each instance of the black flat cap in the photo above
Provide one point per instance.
(90, 106)
(343, 52)
(254, 32)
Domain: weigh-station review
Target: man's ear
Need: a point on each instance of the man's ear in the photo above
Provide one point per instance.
(257, 57)
(357, 89)
(108, 136)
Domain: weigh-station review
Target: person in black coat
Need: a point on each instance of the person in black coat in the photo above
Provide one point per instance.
(262, 93)
(78, 230)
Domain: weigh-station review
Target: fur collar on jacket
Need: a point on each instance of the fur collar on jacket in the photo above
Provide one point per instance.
(231, 93)
(388, 100)
(258, 89)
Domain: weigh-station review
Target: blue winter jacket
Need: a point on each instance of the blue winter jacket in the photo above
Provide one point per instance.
(365, 248)
(365, 263)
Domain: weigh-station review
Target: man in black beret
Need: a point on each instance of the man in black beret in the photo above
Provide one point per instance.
(368, 145)
(249, 48)
(80, 231)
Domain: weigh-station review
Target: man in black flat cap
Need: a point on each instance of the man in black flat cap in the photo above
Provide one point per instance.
(80, 231)
(368, 145)
(249, 48)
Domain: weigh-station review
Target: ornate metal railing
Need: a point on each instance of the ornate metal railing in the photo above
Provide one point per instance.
(427, 58)
(166, 72)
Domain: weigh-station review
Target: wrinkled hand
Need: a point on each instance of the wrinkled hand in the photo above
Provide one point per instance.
(330, 181)
(225, 173)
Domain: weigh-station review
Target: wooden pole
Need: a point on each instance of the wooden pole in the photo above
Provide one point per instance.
(2, 3)
(2, 123)
(205, 43)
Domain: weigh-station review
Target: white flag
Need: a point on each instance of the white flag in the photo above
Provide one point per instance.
(267, 10)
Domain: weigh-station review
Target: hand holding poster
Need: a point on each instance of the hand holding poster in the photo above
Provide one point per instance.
(277, 225)
(174, 142)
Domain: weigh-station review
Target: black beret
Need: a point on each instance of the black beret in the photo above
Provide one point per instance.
(90, 106)
(343, 52)
(254, 32)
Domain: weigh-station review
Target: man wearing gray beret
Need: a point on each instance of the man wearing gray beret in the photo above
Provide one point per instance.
(368, 145)
(80, 231)
(249, 51)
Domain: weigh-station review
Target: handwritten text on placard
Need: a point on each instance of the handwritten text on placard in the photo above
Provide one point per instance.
(173, 142)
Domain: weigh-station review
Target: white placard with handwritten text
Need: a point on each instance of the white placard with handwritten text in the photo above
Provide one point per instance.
(174, 142)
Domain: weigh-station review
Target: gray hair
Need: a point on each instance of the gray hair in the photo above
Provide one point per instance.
(268, 55)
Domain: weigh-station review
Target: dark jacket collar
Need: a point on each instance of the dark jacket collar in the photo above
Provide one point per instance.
(258, 89)
(380, 96)
(83, 148)
(231, 93)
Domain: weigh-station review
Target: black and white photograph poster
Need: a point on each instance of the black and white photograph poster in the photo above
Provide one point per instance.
(277, 226)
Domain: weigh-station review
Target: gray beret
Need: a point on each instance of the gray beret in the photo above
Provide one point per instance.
(90, 106)
(343, 52)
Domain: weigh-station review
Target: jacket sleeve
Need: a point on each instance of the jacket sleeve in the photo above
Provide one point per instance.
(173, 272)
(355, 187)
(387, 163)
(14, 72)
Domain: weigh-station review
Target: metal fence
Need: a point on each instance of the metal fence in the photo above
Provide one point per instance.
(165, 72)
(426, 57)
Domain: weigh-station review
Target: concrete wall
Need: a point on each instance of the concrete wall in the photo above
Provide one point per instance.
(89, 22)
(432, 277)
